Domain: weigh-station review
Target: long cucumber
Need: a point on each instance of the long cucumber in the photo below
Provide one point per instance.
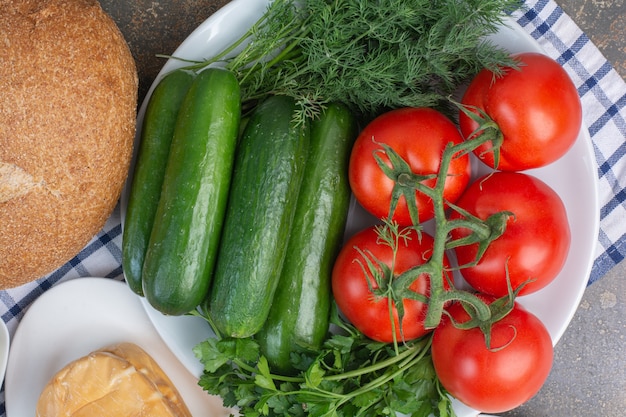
(154, 148)
(299, 315)
(268, 172)
(185, 236)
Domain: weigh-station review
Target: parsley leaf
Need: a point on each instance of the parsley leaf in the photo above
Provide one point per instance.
(350, 376)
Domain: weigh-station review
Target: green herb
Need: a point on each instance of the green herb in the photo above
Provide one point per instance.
(350, 376)
(370, 54)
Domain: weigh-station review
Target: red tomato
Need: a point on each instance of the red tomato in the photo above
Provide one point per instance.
(535, 243)
(497, 379)
(536, 108)
(367, 311)
(418, 136)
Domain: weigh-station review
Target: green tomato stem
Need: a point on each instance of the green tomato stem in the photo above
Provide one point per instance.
(482, 231)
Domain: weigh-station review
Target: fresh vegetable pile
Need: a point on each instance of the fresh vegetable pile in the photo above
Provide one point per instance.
(241, 191)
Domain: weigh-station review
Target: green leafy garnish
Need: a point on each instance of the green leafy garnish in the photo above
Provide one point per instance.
(350, 376)
(371, 55)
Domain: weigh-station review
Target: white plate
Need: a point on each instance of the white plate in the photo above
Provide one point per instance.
(75, 318)
(4, 349)
(573, 177)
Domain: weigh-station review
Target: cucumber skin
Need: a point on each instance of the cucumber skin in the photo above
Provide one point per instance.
(300, 313)
(268, 172)
(156, 138)
(185, 236)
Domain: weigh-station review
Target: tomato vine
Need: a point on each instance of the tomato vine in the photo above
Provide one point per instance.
(483, 232)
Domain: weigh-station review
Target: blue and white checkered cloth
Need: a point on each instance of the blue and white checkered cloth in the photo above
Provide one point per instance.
(603, 95)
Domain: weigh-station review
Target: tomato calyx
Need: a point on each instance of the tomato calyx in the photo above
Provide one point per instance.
(406, 182)
(482, 232)
(499, 308)
(383, 279)
(389, 234)
(487, 130)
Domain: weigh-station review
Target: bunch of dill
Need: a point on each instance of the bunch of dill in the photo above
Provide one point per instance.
(370, 54)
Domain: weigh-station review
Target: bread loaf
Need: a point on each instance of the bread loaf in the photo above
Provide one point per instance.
(68, 97)
(118, 381)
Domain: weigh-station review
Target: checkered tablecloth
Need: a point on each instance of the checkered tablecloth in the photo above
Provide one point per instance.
(603, 95)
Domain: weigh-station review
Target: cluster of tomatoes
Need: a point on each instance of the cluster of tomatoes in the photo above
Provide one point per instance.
(533, 116)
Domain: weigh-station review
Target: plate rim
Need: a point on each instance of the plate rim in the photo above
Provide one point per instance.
(98, 293)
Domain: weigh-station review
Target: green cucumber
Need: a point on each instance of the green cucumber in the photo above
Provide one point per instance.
(156, 137)
(268, 172)
(300, 313)
(185, 236)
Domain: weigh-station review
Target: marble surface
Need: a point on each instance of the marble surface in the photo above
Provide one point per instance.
(604, 21)
(589, 373)
(154, 28)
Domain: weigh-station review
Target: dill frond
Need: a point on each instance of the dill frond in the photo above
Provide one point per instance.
(370, 54)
